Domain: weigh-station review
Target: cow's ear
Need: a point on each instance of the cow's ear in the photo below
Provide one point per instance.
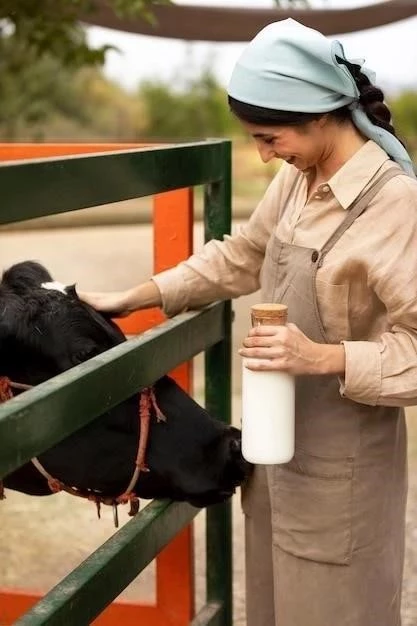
(98, 315)
(104, 320)
(71, 291)
(23, 278)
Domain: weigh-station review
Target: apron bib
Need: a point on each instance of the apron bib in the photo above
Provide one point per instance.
(341, 500)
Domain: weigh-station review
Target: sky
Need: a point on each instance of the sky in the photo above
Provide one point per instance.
(390, 51)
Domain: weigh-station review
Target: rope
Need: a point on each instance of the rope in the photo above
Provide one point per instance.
(147, 402)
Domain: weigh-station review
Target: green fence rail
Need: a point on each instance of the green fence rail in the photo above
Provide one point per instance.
(41, 417)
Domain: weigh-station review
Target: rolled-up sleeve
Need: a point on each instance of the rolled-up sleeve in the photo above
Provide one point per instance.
(223, 269)
(384, 371)
(362, 381)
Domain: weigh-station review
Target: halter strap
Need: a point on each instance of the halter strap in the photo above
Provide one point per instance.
(147, 402)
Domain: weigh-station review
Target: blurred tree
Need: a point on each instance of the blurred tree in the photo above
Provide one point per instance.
(41, 44)
(40, 27)
(104, 107)
(24, 88)
(404, 112)
(51, 102)
(195, 109)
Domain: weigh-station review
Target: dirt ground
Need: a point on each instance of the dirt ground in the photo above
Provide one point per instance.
(41, 540)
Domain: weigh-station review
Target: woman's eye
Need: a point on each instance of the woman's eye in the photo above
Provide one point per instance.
(269, 140)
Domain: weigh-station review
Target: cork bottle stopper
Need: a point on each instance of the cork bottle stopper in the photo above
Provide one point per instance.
(269, 314)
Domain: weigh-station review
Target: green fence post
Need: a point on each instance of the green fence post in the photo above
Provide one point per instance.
(217, 217)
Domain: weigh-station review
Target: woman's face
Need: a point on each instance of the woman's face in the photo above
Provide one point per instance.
(302, 146)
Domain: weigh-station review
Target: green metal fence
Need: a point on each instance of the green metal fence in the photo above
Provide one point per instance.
(41, 417)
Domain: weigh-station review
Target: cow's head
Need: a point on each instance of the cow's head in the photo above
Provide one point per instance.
(44, 330)
(46, 327)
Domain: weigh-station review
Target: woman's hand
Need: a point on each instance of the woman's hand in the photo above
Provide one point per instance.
(114, 302)
(121, 303)
(286, 348)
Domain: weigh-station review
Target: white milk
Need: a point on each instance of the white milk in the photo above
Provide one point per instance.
(268, 421)
(268, 401)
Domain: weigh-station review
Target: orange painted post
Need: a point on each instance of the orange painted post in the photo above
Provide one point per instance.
(173, 242)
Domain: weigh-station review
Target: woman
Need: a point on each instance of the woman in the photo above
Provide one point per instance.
(334, 239)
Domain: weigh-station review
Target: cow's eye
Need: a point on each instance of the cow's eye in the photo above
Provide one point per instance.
(84, 355)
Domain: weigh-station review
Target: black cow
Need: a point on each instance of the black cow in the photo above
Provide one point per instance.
(44, 330)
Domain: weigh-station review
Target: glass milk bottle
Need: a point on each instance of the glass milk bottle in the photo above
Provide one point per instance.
(268, 417)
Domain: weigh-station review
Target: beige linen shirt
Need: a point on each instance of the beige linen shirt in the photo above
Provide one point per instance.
(366, 288)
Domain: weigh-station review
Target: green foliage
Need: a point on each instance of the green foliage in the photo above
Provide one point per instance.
(404, 112)
(199, 109)
(41, 44)
(48, 101)
(103, 108)
(52, 27)
(51, 102)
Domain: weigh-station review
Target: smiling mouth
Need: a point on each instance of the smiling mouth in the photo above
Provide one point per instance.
(290, 160)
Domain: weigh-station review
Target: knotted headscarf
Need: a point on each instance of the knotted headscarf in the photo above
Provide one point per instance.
(289, 67)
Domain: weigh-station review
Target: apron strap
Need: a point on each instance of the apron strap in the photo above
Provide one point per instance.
(358, 207)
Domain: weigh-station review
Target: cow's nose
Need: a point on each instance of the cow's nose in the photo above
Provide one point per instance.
(235, 445)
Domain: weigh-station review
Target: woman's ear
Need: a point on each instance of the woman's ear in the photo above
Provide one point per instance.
(323, 120)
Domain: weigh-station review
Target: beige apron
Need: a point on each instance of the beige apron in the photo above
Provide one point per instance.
(335, 514)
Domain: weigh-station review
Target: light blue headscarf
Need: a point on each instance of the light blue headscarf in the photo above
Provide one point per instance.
(289, 67)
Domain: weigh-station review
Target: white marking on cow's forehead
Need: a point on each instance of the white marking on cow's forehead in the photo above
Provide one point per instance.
(55, 285)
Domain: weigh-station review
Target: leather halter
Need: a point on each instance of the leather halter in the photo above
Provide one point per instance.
(146, 403)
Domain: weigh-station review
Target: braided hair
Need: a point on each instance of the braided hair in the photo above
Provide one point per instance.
(371, 97)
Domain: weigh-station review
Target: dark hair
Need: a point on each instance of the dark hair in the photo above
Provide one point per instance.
(371, 98)
(273, 117)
